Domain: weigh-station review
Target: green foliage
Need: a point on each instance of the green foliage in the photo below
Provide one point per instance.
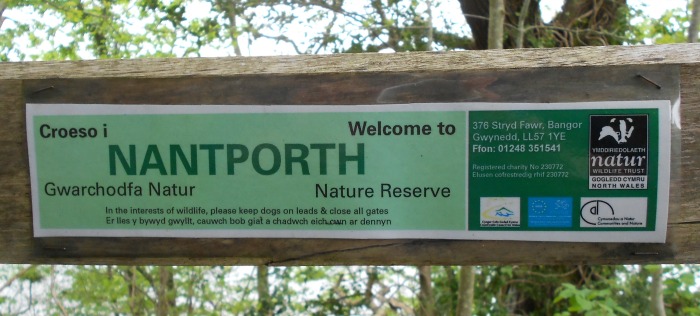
(361, 290)
(681, 293)
(73, 29)
(671, 27)
(446, 286)
(216, 290)
(588, 301)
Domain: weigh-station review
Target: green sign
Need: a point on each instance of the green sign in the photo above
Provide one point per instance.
(559, 172)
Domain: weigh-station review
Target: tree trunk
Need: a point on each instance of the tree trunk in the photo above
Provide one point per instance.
(265, 307)
(166, 285)
(425, 297)
(694, 23)
(657, 292)
(466, 291)
(477, 14)
(497, 15)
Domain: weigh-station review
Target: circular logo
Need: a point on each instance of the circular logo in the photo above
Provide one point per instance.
(593, 209)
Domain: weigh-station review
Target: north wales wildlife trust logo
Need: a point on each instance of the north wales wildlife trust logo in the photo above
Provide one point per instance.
(618, 152)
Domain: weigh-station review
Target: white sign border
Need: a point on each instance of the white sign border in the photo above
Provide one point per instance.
(656, 236)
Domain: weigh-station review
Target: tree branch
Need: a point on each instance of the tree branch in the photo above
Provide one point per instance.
(265, 307)
(521, 24)
(371, 279)
(657, 291)
(130, 277)
(3, 6)
(336, 7)
(54, 295)
(694, 23)
(546, 275)
(229, 9)
(394, 36)
(497, 15)
(327, 34)
(282, 38)
(147, 276)
(16, 276)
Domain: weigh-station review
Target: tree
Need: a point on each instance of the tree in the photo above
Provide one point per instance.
(587, 23)
(174, 28)
(580, 23)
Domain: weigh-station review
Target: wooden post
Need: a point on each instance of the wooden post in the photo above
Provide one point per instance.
(533, 75)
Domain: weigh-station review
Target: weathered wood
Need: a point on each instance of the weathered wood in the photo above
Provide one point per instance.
(576, 84)
(562, 75)
(412, 63)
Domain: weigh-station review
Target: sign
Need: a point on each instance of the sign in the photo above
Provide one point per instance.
(548, 172)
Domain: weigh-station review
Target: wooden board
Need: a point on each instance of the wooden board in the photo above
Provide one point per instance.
(551, 75)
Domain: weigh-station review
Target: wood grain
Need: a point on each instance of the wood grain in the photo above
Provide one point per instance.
(542, 76)
(415, 62)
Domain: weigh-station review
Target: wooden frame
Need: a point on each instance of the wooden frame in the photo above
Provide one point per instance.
(339, 79)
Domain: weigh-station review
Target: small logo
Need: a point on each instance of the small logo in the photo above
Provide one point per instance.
(504, 212)
(549, 211)
(599, 212)
(618, 152)
(592, 210)
(500, 211)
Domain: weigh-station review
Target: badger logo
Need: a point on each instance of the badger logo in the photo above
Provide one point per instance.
(622, 134)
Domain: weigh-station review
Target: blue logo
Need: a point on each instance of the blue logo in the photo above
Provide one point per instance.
(550, 211)
(504, 212)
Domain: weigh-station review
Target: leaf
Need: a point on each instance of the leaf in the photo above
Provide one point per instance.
(687, 278)
(584, 304)
(672, 285)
